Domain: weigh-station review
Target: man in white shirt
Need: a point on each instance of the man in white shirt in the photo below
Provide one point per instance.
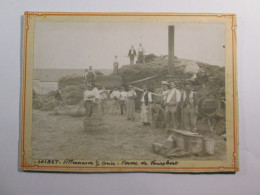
(115, 66)
(171, 101)
(103, 98)
(122, 100)
(115, 96)
(141, 57)
(96, 92)
(89, 97)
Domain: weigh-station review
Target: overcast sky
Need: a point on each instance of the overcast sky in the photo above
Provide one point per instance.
(80, 44)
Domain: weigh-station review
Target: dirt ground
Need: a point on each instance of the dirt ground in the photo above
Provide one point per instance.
(63, 137)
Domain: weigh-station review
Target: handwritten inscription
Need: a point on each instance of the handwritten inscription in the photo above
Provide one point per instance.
(103, 163)
(162, 163)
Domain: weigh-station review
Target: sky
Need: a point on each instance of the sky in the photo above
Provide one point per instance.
(77, 45)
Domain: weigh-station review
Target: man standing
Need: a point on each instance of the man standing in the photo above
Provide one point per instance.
(115, 96)
(130, 104)
(58, 99)
(132, 55)
(141, 57)
(172, 99)
(115, 66)
(180, 107)
(89, 97)
(122, 100)
(103, 99)
(190, 109)
(146, 109)
(96, 103)
(90, 76)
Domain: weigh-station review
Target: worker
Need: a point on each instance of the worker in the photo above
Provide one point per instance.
(180, 119)
(103, 98)
(146, 107)
(190, 109)
(115, 66)
(58, 99)
(202, 93)
(115, 96)
(89, 97)
(132, 55)
(159, 107)
(171, 101)
(141, 57)
(58, 96)
(130, 103)
(122, 100)
(90, 76)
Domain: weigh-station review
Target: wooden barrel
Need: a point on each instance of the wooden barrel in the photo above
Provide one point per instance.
(195, 145)
(209, 146)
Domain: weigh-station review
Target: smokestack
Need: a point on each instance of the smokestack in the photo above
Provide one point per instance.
(171, 48)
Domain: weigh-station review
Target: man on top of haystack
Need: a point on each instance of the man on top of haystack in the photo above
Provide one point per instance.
(115, 66)
(141, 57)
(90, 76)
(132, 55)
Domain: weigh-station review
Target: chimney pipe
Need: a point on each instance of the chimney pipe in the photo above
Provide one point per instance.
(171, 48)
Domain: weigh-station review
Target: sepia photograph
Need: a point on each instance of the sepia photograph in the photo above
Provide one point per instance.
(141, 93)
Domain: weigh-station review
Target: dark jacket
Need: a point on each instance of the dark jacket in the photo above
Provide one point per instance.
(133, 54)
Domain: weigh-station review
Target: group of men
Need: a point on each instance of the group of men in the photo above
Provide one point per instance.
(125, 100)
(140, 57)
(95, 101)
(180, 106)
(132, 55)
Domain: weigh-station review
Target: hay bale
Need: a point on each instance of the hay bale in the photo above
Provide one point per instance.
(72, 94)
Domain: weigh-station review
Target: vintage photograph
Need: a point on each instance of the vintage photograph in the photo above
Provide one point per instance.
(118, 93)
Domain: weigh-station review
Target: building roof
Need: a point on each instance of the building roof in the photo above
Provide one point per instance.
(109, 81)
(54, 75)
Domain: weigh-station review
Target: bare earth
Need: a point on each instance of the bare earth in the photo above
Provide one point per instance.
(63, 137)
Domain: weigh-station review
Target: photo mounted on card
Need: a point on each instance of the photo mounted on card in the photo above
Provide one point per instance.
(129, 92)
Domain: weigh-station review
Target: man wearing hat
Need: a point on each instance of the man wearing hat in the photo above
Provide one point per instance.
(115, 96)
(122, 100)
(130, 103)
(171, 100)
(146, 110)
(190, 109)
(89, 97)
(103, 98)
(132, 55)
(90, 75)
